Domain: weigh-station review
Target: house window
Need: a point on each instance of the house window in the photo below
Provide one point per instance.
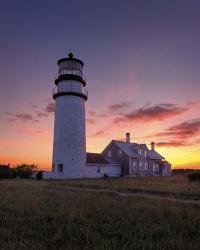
(155, 167)
(109, 153)
(60, 168)
(119, 153)
(140, 165)
(145, 154)
(139, 151)
(134, 165)
(146, 166)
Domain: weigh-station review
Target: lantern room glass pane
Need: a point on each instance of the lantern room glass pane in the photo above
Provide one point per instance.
(70, 65)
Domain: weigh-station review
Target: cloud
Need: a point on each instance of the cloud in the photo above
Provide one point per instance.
(50, 108)
(41, 114)
(30, 116)
(92, 112)
(90, 121)
(100, 132)
(24, 117)
(172, 144)
(197, 141)
(158, 112)
(147, 113)
(103, 115)
(12, 119)
(34, 106)
(193, 103)
(30, 132)
(184, 130)
(119, 106)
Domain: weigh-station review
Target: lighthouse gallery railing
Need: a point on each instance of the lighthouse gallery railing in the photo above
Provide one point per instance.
(70, 71)
(70, 88)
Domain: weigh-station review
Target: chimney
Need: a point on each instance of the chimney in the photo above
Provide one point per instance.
(152, 145)
(128, 137)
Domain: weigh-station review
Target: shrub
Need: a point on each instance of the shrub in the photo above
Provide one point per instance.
(5, 171)
(194, 176)
(24, 170)
(39, 175)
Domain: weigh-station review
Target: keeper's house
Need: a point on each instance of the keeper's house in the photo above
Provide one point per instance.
(134, 159)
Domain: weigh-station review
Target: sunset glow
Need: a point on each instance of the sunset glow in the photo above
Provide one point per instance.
(142, 67)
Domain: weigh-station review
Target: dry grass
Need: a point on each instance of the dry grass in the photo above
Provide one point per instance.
(44, 215)
(173, 185)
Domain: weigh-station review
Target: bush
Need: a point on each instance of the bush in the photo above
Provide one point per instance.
(5, 171)
(24, 170)
(195, 176)
(39, 175)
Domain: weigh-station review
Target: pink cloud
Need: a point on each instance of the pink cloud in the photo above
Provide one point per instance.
(184, 130)
(158, 112)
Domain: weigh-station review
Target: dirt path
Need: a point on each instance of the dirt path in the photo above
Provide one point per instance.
(139, 194)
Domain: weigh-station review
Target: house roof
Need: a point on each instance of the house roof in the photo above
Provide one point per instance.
(94, 158)
(126, 147)
(166, 162)
(131, 149)
(155, 155)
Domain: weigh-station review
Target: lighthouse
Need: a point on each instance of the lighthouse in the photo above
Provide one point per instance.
(69, 144)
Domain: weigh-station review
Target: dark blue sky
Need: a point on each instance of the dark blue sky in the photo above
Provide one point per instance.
(156, 40)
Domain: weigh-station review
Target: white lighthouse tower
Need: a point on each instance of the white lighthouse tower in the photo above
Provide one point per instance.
(69, 146)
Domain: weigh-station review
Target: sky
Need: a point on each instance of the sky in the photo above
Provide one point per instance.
(142, 63)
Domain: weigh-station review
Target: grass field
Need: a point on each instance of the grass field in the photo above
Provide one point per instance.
(50, 215)
(174, 185)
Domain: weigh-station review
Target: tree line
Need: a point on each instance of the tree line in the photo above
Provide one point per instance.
(22, 171)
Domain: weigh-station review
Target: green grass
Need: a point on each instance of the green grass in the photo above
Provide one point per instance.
(48, 215)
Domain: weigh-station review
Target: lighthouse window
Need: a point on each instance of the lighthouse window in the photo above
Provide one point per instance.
(70, 65)
(60, 168)
(53, 168)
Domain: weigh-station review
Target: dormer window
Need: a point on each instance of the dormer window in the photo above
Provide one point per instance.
(119, 153)
(109, 153)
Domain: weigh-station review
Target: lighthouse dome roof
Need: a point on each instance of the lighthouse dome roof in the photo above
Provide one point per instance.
(70, 58)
